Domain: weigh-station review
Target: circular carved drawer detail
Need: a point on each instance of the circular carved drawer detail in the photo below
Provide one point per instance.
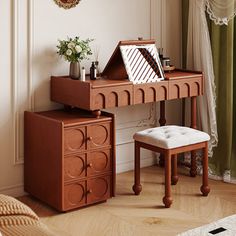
(99, 162)
(99, 135)
(74, 140)
(74, 167)
(98, 189)
(74, 195)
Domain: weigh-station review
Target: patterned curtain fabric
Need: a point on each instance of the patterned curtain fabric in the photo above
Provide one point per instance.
(221, 11)
(223, 45)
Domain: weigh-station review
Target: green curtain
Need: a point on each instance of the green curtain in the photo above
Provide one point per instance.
(223, 41)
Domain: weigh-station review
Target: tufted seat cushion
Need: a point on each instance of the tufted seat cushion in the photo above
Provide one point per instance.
(171, 136)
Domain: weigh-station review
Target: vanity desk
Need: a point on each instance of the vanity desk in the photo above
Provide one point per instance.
(95, 95)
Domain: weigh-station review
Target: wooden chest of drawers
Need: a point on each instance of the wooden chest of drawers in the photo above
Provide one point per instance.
(69, 158)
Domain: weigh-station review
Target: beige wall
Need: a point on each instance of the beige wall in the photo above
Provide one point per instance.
(29, 31)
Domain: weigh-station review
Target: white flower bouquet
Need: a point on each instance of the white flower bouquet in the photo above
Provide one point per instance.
(74, 50)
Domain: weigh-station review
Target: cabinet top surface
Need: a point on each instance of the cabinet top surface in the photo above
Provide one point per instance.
(102, 82)
(73, 117)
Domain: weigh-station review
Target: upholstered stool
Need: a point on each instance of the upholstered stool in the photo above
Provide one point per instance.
(169, 141)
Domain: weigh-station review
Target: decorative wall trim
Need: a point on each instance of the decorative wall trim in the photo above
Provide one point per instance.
(22, 88)
(157, 14)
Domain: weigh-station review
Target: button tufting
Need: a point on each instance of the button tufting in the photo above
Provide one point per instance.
(171, 136)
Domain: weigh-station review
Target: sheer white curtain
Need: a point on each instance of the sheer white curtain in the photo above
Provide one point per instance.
(199, 57)
(221, 11)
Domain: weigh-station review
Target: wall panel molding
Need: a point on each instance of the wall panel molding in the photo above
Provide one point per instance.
(22, 84)
(158, 21)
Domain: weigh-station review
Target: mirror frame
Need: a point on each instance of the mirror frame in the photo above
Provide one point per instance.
(67, 4)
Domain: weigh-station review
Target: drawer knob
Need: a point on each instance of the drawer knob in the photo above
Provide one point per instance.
(90, 138)
(90, 165)
(89, 191)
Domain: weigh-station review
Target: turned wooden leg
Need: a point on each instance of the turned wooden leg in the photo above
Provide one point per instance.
(174, 174)
(205, 189)
(193, 170)
(137, 187)
(167, 200)
(162, 122)
(193, 166)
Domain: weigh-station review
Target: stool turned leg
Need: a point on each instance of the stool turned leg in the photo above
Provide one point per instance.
(167, 200)
(137, 187)
(174, 175)
(205, 189)
(162, 122)
(193, 168)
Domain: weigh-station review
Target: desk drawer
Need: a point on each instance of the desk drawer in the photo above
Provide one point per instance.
(183, 88)
(114, 96)
(150, 92)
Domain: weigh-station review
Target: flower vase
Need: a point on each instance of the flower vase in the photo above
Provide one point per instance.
(74, 70)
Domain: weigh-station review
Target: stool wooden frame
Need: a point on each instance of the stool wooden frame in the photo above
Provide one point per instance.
(171, 177)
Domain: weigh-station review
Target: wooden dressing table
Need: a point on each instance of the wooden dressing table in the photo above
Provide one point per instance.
(95, 95)
(75, 150)
(114, 89)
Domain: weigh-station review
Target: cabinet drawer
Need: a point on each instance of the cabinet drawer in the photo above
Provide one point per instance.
(186, 87)
(98, 162)
(74, 139)
(112, 96)
(98, 189)
(74, 167)
(99, 135)
(150, 92)
(74, 195)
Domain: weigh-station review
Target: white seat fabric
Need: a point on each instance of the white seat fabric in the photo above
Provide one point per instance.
(171, 136)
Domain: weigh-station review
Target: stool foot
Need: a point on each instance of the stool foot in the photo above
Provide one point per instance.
(174, 179)
(137, 189)
(205, 190)
(167, 201)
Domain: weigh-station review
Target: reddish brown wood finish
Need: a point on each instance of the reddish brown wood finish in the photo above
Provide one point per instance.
(69, 157)
(137, 187)
(115, 68)
(162, 122)
(103, 93)
(168, 153)
(174, 174)
(193, 169)
(150, 92)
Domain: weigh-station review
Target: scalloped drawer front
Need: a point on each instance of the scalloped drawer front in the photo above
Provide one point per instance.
(115, 96)
(74, 195)
(74, 139)
(74, 167)
(99, 162)
(185, 88)
(150, 92)
(98, 189)
(99, 135)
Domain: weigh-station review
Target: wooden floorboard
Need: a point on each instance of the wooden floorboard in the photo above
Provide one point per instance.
(128, 215)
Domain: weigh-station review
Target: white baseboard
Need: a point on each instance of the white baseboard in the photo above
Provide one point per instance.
(126, 166)
(14, 190)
